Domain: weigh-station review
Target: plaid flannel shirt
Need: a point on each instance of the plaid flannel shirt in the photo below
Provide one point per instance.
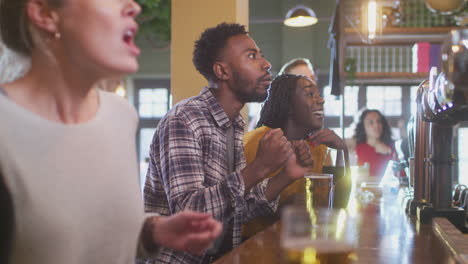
(188, 170)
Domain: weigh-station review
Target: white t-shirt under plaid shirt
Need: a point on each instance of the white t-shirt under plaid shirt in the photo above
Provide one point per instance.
(189, 170)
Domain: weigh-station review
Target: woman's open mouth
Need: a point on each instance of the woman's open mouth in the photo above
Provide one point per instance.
(128, 38)
(318, 113)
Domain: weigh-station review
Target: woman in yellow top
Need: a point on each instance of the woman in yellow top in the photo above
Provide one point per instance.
(295, 105)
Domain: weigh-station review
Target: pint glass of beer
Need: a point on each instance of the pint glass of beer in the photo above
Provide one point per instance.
(296, 227)
(319, 190)
(318, 236)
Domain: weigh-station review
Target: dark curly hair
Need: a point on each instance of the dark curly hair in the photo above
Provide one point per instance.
(275, 111)
(360, 132)
(208, 47)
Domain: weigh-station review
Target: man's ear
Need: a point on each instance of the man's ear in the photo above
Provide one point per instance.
(221, 71)
(42, 15)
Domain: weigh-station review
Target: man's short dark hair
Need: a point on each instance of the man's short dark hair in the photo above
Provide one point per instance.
(210, 44)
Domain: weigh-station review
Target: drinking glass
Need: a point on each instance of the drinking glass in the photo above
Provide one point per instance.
(334, 163)
(319, 190)
(316, 236)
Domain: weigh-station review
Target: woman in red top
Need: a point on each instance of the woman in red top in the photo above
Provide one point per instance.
(374, 144)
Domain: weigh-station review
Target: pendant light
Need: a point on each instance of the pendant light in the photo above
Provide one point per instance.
(300, 16)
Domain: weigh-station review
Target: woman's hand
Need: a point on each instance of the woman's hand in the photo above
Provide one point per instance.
(327, 137)
(188, 231)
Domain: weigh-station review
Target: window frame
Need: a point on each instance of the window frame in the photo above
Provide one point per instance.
(138, 84)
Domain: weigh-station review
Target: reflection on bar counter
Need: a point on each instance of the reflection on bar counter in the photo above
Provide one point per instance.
(319, 251)
(442, 102)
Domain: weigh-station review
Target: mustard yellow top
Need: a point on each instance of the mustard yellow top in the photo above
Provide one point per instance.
(251, 142)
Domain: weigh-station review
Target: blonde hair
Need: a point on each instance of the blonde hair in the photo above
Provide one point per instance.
(294, 63)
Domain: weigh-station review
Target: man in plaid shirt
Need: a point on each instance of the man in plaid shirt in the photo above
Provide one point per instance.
(193, 163)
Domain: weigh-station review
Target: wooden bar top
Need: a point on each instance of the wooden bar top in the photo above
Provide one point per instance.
(385, 234)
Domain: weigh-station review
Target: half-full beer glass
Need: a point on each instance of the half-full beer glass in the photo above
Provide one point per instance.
(319, 190)
(316, 237)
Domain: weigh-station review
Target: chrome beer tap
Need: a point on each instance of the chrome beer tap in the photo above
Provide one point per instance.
(442, 102)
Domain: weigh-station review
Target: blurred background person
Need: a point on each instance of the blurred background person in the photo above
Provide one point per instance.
(299, 66)
(68, 173)
(12, 64)
(294, 104)
(374, 144)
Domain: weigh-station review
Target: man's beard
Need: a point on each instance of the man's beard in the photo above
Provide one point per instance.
(244, 96)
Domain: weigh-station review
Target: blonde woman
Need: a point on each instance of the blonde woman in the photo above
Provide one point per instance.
(68, 172)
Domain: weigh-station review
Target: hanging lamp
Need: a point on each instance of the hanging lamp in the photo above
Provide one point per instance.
(300, 16)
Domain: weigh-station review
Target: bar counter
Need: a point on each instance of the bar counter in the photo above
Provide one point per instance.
(385, 234)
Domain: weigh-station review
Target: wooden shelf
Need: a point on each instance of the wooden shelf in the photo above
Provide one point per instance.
(390, 77)
(399, 36)
(409, 30)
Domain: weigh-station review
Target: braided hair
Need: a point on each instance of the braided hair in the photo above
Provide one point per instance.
(276, 109)
(360, 133)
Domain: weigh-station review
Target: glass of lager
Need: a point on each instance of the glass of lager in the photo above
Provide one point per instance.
(319, 190)
(318, 236)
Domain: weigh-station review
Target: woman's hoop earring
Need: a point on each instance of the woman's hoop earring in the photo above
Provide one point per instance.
(57, 35)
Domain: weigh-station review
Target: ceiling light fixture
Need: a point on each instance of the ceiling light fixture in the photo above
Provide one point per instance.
(372, 19)
(300, 16)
